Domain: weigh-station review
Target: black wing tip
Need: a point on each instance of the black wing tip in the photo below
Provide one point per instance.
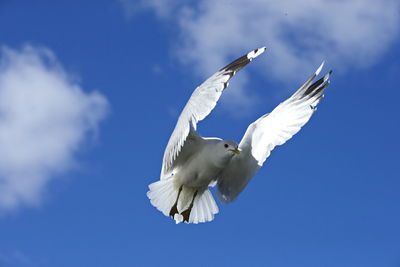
(239, 63)
(318, 87)
(320, 90)
(236, 65)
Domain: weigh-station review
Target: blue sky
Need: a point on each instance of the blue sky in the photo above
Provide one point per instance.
(89, 94)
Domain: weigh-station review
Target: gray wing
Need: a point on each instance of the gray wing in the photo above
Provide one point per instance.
(201, 103)
(193, 143)
(270, 130)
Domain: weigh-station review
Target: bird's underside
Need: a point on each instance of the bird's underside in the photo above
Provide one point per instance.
(202, 166)
(191, 162)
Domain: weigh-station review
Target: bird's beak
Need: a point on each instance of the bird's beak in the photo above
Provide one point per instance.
(236, 151)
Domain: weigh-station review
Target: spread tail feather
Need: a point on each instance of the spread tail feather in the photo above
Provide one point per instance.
(164, 193)
(204, 208)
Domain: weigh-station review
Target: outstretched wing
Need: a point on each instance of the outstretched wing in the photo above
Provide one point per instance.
(270, 130)
(203, 100)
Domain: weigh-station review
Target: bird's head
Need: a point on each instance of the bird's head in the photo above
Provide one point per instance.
(224, 151)
(229, 148)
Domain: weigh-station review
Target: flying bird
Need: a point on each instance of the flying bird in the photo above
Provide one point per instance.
(192, 163)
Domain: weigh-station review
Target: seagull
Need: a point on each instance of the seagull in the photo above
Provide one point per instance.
(192, 163)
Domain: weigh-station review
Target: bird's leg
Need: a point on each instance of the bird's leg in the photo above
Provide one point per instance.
(174, 209)
(186, 213)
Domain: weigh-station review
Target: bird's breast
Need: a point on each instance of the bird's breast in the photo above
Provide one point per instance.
(198, 172)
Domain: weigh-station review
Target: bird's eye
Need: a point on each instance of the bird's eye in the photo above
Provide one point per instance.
(226, 145)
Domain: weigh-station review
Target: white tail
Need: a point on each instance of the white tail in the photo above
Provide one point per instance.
(163, 195)
(204, 208)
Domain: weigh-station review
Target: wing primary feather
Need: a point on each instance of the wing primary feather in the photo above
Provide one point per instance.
(309, 81)
(313, 86)
(317, 86)
(319, 68)
(320, 90)
(255, 53)
(239, 63)
(236, 65)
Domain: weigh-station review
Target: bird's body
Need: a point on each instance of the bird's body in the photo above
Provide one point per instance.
(192, 163)
(207, 160)
(200, 169)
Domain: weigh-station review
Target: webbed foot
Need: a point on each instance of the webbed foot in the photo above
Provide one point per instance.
(186, 214)
(174, 210)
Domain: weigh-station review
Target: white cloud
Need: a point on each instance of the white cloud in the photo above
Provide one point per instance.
(299, 34)
(163, 8)
(44, 118)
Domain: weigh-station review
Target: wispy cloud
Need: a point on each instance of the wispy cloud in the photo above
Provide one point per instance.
(162, 8)
(44, 118)
(299, 34)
